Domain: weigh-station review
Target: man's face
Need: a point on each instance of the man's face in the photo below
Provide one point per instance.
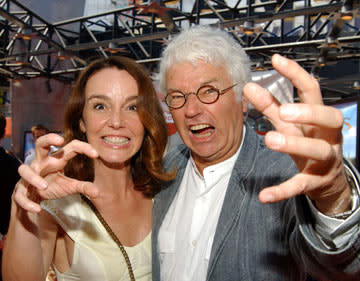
(213, 132)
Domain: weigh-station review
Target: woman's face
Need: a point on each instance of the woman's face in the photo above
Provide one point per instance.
(110, 118)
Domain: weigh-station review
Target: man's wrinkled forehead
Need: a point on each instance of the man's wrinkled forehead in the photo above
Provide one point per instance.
(193, 65)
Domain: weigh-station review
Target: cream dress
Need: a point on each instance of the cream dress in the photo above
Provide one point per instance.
(96, 256)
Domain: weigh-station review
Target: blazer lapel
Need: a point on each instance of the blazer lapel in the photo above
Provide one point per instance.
(235, 195)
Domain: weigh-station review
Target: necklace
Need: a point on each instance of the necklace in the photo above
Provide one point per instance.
(112, 235)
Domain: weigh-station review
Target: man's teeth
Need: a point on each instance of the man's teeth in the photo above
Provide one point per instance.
(201, 130)
(202, 135)
(199, 127)
(116, 140)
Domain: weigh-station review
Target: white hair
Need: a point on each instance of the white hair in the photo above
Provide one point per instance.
(211, 45)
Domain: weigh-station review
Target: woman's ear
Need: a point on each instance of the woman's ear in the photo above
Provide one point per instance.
(82, 126)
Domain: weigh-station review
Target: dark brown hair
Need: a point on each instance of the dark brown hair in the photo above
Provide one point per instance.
(147, 170)
(39, 127)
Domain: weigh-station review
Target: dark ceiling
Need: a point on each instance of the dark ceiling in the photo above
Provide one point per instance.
(323, 36)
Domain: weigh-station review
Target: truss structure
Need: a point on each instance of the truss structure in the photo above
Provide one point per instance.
(313, 32)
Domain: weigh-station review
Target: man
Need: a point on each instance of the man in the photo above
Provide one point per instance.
(212, 222)
(37, 131)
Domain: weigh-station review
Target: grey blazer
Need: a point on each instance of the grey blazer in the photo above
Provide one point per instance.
(255, 242)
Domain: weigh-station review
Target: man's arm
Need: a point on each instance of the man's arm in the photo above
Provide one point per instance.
(310, 133)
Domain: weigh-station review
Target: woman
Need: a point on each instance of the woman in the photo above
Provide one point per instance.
(115, 137)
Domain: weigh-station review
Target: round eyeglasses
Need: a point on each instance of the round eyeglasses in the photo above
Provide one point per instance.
(206, 94)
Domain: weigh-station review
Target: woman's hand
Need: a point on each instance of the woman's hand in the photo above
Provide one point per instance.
(44, 178)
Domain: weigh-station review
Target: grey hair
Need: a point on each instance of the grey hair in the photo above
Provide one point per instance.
(211, 45)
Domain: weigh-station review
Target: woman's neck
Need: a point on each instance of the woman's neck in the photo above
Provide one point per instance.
(114, 183)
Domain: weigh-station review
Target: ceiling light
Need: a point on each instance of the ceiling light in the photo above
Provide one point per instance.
(20, 60)
(114, 48)
(62, 55)
(346, 12)
(331, 42)
(26, 34)
(356, 85)
(260, 66)
(321, 61)
(248, 27)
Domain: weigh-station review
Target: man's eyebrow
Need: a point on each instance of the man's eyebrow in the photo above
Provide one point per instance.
(206, 82)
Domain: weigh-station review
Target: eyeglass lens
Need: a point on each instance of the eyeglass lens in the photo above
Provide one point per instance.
(206, 94)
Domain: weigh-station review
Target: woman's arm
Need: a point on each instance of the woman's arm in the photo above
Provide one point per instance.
(29, 245)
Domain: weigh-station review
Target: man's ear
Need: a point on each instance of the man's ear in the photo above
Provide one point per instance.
(82, 126)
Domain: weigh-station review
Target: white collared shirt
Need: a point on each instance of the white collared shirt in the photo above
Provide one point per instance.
(187, 233)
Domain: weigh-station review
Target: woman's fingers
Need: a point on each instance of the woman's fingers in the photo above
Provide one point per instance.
(56, 161)
(44, 143)
(74, 148)
(21, 198)
(72, 186)
(43, 179)
(31, 177)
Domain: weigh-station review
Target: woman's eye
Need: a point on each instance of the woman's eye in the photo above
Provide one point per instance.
(133, 107)
(99, 106)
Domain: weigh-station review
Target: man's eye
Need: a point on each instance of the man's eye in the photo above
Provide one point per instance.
(209, 91)
(176, 96)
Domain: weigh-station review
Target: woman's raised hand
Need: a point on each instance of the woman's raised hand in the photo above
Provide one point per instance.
(44, 178)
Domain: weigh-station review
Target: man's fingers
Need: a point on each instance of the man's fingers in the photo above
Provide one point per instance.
(318, 115)
(298, 184)
(263, 102)
(308, 87)
(310, 148)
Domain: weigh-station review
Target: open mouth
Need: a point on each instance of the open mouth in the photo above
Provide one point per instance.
(116, 140)
(202, 130)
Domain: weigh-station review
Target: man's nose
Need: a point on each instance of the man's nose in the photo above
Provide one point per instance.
(192, 105)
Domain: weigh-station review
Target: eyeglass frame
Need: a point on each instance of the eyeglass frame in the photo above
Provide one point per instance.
(219, 93)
